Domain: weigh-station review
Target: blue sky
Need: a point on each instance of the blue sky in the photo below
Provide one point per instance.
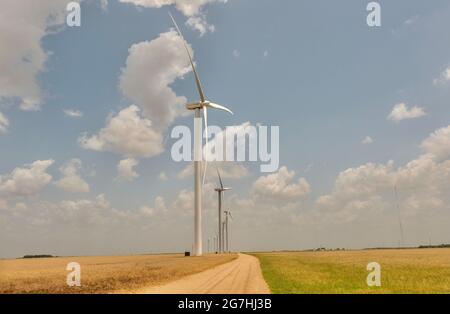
(314, 68)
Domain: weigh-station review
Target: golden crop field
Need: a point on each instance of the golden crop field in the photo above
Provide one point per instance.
(402, 271)
(107, 274)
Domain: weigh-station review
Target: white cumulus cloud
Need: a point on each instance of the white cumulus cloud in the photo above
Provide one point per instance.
(150, 68)
(443, 78)
(368, 190)
(22, 26)
(27, 180)
(4, 123)
(403, 112)
(200, 24)
(281, 185)
(125, 169)
(73, 113)
(71, 180)
(190, 8)
(127, 134)
(438, 143)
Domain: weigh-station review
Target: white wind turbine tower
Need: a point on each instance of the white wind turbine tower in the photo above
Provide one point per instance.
(227, 216)
(223, 237)
(402, 236)
(215, 244)
(198, 107)
(220, 191)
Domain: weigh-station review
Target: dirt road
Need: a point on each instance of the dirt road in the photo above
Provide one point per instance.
(241, 276)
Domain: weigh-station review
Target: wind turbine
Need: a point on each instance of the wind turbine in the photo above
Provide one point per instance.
(220, 191)
(223, 237)
(402, 237)
(198, 107)
(215, 245)
(227, 214)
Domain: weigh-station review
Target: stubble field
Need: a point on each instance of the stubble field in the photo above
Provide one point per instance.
(107, 274)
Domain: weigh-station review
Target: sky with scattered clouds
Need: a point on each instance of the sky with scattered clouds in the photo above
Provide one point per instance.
(86, 115)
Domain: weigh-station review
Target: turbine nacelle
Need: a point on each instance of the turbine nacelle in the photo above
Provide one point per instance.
(222, 189)
(207, 105)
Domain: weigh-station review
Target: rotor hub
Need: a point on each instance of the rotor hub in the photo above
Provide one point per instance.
(196, 105)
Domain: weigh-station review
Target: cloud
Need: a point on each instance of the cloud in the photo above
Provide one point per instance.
(367, 140)
(438, 144)
(87, 226)
(127, 134)
(281, 186)
(228, 170)
(200, 24)
(355, 192)
(237, 135)
(224, 145)
(125, 169)
(151, 68)
(71, 180)
(184, 200)
(443, 78)
(82, 213)
(402, 112)
(22, 27)
(272, 201)
(159, 207)
(73, 113)
(412, 20)
(190, 8)
(367, 191)
(28, 180)
(4, 123)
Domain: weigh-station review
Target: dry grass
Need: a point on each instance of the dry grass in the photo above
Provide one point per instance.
(100, 274)
(402, 271)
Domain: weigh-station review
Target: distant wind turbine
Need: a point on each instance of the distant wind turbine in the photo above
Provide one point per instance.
(198, 107)
(227, 216)
(220, 192)
(402, 237)
(223, 237)
(217, 244)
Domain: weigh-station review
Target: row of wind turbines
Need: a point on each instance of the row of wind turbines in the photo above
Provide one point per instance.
(222, 238)
(222, 241)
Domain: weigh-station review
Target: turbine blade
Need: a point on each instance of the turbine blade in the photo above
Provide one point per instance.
(219, 107)
(205, 117)
(231, 217)
(197, 79)
(220, 179)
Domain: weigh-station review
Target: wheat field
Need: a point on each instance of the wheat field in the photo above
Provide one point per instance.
(402, 271)
(108, 274)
